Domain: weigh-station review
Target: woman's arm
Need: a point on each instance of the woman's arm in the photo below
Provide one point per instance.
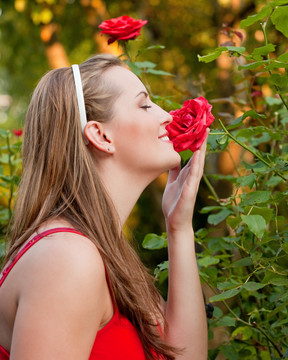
(60, 304)
(185, 309)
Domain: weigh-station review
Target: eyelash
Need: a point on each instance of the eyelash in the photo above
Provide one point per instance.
(146, 107)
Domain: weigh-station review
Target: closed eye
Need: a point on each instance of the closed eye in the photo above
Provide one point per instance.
(146, 107)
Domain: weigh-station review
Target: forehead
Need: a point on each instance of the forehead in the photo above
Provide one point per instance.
(124, 81)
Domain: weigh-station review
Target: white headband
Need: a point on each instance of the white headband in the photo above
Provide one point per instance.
(80, 96)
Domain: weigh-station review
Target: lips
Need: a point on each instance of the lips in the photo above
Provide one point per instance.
(164, 137)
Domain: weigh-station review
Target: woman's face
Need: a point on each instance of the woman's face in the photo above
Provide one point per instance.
(138, 127)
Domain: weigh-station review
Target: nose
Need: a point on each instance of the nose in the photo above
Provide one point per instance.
(169, 118)
(166, 120)
(165, 117)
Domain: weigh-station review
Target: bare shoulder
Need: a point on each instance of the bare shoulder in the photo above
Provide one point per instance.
(62, 254)
(61, 298)
(62, 259)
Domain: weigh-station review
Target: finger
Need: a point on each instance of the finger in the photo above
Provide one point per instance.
(194, 166)
(191, 168)
(202, 152)
(197, 165)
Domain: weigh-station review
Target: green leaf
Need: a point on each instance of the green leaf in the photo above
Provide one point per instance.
(274, 181)
(223, 140)
(186, 155)
(279, 281)
(161, 272)
(215, 219)
(134, 68)
(283, 57)
(256, 166)
(158, 72)
(225, 295)
(252, 19)
(253, 65)
(233, 222)
(253, 114)
(278, 2)
(211, 56)
(255, 223)
(264, 50)
(279, 80)
(4, 133)
(279, 18)
(7, 178)
(271, 101)
(163, 266)
(248, 180)
(230, 284)
(265, 212)
(226, 321)
(4, 158)
(217, 313)
(153, 47)
(253, 286)
(285, 355)
(145, 64)
(275, 279)
(201, 233)
(208, 260)
(213, 139)
(242, 333)
(153, 242)
(285, 247)
(256, 197)
(264, 138)
(208, 209)
(276, 65)
(242, 262)
(239, 50)
(229, 352)
(250, 132)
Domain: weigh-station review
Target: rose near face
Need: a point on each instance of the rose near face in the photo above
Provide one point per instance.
(138, 127)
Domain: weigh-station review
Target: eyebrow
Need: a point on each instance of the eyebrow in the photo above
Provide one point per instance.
(142, 93)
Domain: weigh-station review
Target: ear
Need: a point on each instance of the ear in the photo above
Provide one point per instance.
(99, 136)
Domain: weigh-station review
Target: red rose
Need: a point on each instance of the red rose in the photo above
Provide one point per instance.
(122, 28)
(18, 132)
(188, 128)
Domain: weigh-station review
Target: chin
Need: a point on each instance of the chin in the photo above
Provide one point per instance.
(175, 160)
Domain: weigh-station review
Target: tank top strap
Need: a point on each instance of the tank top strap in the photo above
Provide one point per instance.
(30, 243)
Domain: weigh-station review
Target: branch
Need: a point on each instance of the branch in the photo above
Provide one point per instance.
(259, 157)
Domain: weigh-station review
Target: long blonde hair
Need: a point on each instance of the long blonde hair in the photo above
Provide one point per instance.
(60, 178)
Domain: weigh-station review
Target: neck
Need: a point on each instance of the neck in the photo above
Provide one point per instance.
(124, 188)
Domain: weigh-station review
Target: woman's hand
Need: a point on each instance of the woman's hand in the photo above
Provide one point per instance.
(185, 311)
(181, 192)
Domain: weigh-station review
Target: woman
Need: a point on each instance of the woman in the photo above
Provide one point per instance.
(72, 287)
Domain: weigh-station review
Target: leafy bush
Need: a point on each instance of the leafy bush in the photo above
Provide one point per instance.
(10, 170)
(246, 266)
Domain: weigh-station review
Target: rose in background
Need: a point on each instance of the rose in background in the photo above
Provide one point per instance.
(188, 128)
(122, 28)
(17, 132)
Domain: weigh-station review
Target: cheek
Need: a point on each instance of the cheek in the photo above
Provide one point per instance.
(130, 139)
(142, 130)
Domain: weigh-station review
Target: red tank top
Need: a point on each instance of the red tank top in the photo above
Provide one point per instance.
(116, 340)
